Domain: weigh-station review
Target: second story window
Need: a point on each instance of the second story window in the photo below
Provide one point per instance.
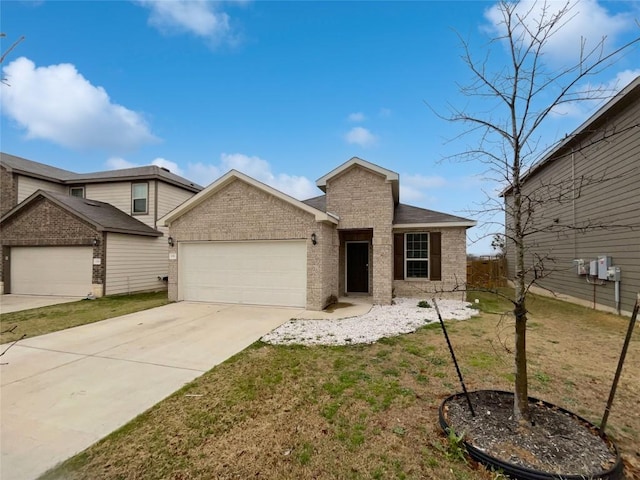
(140, 198)
(76, 192)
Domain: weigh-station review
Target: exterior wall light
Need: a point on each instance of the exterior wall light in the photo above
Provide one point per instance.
(95, 242)
(314, 240)
(170, 241)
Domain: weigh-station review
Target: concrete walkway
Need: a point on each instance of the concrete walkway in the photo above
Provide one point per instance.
(64, 391)
(15, 303)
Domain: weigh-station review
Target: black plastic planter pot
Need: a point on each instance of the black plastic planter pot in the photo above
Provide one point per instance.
(524, 473)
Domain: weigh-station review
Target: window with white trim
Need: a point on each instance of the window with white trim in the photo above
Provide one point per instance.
(139, 198)
(76, 192)
(416, 255)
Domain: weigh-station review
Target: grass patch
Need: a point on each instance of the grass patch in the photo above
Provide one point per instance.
(365, 411)
(38, 321)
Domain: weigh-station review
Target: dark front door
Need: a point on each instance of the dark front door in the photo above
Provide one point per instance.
(358, 267)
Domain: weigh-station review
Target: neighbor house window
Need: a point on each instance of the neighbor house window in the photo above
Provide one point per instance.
(76, 192)
(416, 255)
(140, 198)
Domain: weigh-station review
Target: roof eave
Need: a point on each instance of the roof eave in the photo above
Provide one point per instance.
(467, 224)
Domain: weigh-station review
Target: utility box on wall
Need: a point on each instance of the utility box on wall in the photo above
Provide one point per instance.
(604, 263)
(593, 268)
(613, 274)
(581, 267)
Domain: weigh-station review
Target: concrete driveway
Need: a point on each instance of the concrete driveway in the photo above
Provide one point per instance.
(15, 303)
(64, 391)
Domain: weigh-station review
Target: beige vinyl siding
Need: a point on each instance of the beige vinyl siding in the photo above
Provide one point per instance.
(170, 197)
(134, 263)
(118, 194)
(608, 205)
(28, 185)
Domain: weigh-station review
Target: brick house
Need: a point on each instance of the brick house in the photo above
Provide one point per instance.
(240, 241)
(64, 233)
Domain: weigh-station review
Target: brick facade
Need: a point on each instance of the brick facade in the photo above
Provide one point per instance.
(454, 268)
(364, 200)
(8, 190)
(44, 223)
(238, 212)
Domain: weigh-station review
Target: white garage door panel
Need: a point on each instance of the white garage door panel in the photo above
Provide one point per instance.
(258, 273)
(51, 270)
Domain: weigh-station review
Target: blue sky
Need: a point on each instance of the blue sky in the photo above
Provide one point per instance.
(283, 91)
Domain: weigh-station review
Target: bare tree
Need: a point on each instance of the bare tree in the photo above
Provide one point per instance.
(5, 53)
(517, 98)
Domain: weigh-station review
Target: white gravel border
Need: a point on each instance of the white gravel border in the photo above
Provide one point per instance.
(381, 321)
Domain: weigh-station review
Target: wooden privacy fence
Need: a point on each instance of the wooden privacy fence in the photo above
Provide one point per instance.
(487, 272)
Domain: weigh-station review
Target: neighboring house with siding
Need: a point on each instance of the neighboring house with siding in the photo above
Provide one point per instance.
(66, 233)
(240, 241)
(592, 178)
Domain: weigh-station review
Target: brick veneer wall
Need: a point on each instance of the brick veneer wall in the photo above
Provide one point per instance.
(454, 268)
(44, 223)
(239, 211)
(364, 200)
(8, 191)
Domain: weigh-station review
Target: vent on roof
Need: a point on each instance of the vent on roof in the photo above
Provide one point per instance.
(91, 203)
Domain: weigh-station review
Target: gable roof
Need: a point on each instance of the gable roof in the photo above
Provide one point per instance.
(619, 101)
(390, 176)
(408, 216)
(47, 172)
(103, 216)
(233, 175)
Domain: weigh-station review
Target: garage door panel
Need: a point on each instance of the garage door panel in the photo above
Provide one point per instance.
(51, 270)
(259, 273)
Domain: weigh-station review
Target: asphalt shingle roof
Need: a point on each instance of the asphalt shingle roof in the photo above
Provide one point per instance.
(40, 170)
(403, 214)
(104, 216)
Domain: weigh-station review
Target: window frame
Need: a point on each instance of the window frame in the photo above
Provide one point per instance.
(81, 187)
(426, 260)
(134, 198)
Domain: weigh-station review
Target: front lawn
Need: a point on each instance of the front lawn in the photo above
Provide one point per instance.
(369, 411)
(38, 321)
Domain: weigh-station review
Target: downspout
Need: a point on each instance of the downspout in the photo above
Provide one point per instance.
(573, 204)
(155, 204)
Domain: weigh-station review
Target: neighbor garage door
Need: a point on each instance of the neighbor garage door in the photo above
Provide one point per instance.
(51, 270)
(258, 273)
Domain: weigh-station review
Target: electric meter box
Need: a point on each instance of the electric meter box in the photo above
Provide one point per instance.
(581, 267)
(604, 263)
(593, 268)
(613, 274)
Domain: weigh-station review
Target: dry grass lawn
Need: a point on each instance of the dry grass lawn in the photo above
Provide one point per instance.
(368, 412)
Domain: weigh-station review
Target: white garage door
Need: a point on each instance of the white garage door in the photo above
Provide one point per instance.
(51, 270)
(257, 273)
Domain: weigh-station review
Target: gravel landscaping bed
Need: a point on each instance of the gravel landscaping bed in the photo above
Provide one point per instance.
(404, 316)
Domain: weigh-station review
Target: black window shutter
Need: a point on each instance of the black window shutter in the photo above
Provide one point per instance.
(398, 256)
(435, 256)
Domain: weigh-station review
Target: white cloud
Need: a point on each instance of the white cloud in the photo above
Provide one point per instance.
(361, 136)
(417, 188)
(582, 109)
(384, 112)
(356, 117)
(57, 103)
(199, 17)
(257, 168)
(118, 163)
(169, 165)
(587, 19)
